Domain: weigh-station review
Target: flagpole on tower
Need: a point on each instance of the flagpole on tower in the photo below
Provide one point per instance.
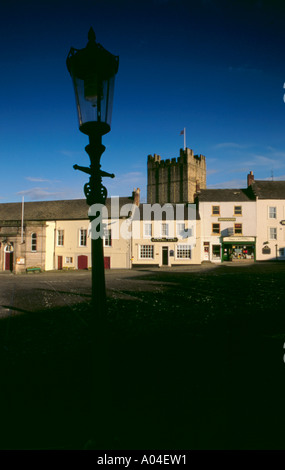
(184, 134)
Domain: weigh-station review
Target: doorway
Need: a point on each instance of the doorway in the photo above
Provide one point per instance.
(107, 262)
(165, 256)
(59, 263)
(206, 251)
(82, 262)
(8, 250)
(9, 261)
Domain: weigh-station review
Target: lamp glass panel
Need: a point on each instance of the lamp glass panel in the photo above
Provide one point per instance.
(94, 102)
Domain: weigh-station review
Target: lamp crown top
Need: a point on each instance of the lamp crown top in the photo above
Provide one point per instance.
(91, 35)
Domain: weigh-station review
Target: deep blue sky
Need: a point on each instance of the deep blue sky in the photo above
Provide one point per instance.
(216, 68)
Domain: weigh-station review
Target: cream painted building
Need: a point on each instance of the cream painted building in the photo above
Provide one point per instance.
(228, 224)
(69, 239)
(49, 235)
(270, 219)
(167, 237)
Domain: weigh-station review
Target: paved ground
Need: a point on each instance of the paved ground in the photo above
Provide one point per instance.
(34, 291)
(196, 358)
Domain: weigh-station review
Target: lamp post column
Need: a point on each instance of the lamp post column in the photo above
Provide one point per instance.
(96, 193)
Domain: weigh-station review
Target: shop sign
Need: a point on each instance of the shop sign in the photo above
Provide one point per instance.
(239, 239)
(227, 219)
(20, 260)
(164, 240)
(282, 222)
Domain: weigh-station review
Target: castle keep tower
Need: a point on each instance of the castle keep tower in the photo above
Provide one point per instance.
(175, 181)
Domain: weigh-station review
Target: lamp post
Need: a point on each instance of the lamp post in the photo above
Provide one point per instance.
(93, 71)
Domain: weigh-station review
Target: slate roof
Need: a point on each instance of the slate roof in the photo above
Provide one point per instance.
(72, 209)
(269, 189)
(225, 195)
(146, 215)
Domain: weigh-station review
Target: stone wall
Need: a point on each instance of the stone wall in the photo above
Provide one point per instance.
(176, 180)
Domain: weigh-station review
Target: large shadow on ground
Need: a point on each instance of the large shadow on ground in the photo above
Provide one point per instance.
(198, 365)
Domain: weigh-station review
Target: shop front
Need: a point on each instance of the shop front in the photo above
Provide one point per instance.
(238, 249)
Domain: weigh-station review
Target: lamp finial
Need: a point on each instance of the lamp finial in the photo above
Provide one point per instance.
(91, 35)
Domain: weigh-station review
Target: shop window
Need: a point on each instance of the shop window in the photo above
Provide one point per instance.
(273, 233)
(238, 210)
(60, 237)
(281, 251)
(215, 210)
(238, 229)
(216, 251)
(34, 242)
(183, 251)
(82, 237)
(272, 212)
(146, 251)
(216, 229)
(242, 252)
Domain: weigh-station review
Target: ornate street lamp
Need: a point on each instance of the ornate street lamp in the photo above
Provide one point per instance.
(93, 71)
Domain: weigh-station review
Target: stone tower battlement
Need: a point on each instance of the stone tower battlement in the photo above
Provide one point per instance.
(175, 180)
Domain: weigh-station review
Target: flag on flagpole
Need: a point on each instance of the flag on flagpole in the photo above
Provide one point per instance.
(184, 133)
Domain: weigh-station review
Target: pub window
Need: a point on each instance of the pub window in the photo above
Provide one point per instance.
(238, 229)
(34, 242)
(180, 230)
(215, 228)
(215, 210)
(238, 210)
(146, 251)
(147, 230)
(60, 237)
(272, 212)
(164, 230)
(183, 251)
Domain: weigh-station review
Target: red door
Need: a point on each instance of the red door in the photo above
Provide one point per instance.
(59, 262)
(9, 261)
(82, 262)
(107, 262)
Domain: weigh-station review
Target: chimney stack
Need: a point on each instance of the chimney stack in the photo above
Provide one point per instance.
(136, 196)
(250, 179)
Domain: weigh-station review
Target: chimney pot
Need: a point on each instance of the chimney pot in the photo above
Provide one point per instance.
(250, 178)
